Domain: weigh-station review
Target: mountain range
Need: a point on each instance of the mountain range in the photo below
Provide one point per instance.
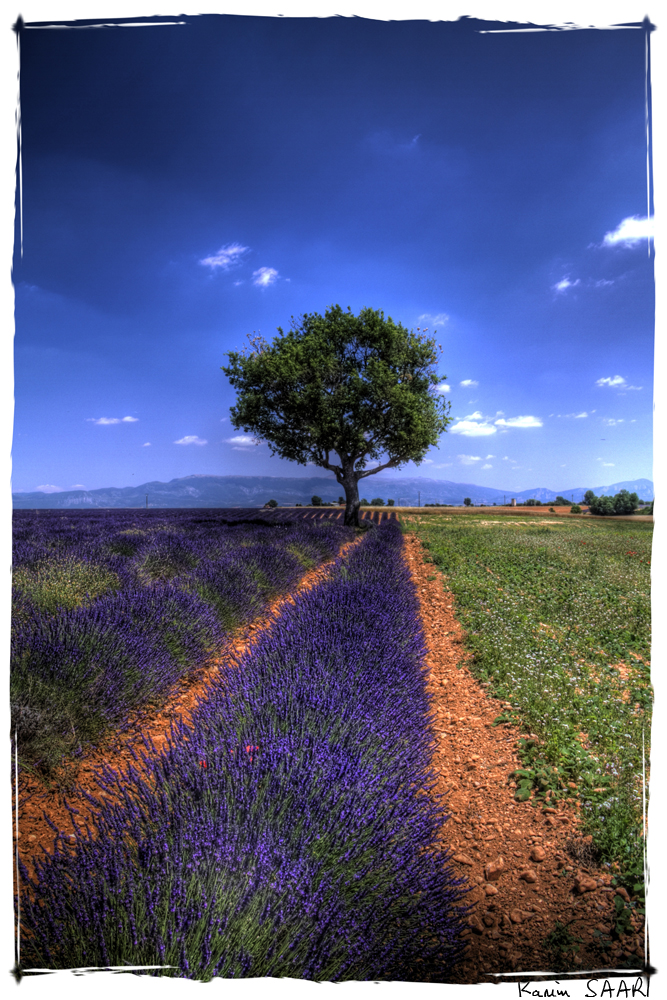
(254, 491)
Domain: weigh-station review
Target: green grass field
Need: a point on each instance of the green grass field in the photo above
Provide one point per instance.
(557, 616)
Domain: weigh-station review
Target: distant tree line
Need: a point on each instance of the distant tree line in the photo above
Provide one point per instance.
(622, 503)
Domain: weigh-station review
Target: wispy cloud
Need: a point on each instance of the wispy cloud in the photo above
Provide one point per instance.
(630, 232)
(112, 420)
(467, 382)
(487, 466)
(469, 459)
(564, 284)
(611, 422)
(427, 461)
(443, 388)
(614, 382)
(226, 257)
(609, 465)
(438, 320)
(191, 439)
(489, 456)
(48, 488)
(519, 422)
(78, 486)
(242, 440)
(146, 444)
(264, 276)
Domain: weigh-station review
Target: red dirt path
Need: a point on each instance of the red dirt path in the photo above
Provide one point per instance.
(512, 916)
(473, 759)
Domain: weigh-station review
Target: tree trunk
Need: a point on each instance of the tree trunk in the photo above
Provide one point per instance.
(351, 486)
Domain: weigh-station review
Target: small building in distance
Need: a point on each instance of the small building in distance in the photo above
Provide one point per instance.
(513, 502)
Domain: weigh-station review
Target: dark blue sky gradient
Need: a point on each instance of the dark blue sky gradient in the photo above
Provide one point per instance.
(421, 168)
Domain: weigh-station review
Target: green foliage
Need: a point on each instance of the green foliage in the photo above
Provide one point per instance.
(377, 502)
(575, 509)
(622, 503)
(589, 495)
(390, 503)
(558, 620)
(562, 502)
(561, 942)
(360, 387)
(272, 503)
(467, 501)
(316, 501)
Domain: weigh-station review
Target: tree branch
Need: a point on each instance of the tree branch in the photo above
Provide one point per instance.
(387, 465)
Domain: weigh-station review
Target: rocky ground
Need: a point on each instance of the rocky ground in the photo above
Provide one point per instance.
(530, 867)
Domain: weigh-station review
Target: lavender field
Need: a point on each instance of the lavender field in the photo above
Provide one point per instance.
(285, 832)
(112, 608)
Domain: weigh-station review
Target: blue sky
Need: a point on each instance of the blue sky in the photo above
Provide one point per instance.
(186, 186)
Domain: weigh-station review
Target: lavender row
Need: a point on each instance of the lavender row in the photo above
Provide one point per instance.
(110, 610)
(286, 833)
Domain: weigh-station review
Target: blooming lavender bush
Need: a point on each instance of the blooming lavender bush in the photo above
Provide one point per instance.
(286, 832)
(112, 608)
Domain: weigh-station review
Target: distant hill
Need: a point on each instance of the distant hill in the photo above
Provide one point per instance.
(254, 491)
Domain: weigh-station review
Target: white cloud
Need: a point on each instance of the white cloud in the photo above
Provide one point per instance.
(629, 232)
(112, 420)
(242, 440)
(146, 444)
(608, 465)
(564, 284)
(611, 422)
(612, 382)
(191, 439)
(226, 257)
(487, 466)
(578, 416)
(443, 388)
(468, 382)
(223, 419)
(637, 387)
(264, 276)
(78, 486)
(47, 488)
(469, 459)
(427, 461)
(603, 283)
(489, 456)
(473, 428)
(519, 422)
(438, 320)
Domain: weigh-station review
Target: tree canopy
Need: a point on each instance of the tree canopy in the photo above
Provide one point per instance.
(622, 503)
(362, 388)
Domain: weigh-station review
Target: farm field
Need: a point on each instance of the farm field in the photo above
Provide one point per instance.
(284, 830)
(314, 808)
(557, 619)
(111, 609)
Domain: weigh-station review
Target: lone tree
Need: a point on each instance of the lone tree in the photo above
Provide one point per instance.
(360, 387)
